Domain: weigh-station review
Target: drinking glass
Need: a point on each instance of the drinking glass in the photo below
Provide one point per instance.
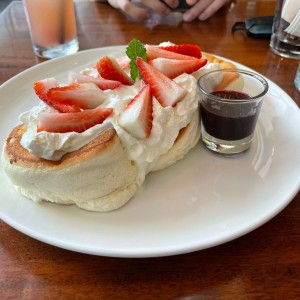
(52, 26)
(285, 39)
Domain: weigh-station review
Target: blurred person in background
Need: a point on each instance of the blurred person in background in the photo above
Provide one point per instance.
(192, 9)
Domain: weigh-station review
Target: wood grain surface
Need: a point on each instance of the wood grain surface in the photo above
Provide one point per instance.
(264, 264)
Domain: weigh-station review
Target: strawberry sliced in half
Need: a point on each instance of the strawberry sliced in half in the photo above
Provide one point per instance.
(108, 68)
(42, 87)
(165, 90)
(174, 67)
(155, 52)
(123, 62)
(74, 121)
(103, 84)
(75, 97)
(185, 49)
(137, 116)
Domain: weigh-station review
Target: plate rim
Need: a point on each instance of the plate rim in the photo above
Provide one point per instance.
(141, 253)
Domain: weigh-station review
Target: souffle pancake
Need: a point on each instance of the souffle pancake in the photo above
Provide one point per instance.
(84, 177)
(92, 141)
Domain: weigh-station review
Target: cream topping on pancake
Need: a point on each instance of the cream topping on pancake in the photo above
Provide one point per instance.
(101, 168)
(167, 122)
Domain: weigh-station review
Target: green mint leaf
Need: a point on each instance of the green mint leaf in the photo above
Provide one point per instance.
(135, 49)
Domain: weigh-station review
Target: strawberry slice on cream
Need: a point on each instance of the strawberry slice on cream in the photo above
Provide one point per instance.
(137, 116)
(75, 97)
(165, 90)
(109, 68)
(42, 87)
(175, 67)
(154, 52)
(103, 84)
(185, 49)
(72, 122)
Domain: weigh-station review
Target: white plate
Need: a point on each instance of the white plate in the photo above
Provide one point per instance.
(201, 201)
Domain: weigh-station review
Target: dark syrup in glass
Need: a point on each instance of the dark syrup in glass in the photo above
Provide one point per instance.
(218, 124)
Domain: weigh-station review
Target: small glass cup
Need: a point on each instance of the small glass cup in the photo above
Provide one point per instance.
(230, 104)
(52, 26)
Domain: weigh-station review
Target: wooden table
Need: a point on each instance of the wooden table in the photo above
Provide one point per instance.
(264, 264)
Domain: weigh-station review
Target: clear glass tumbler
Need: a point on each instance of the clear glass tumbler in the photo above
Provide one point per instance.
(52, 26)
(285, 39)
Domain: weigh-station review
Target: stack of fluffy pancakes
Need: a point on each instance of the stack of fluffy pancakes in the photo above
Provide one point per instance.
(97, 177)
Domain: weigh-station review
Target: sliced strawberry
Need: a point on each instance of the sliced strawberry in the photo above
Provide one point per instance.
(75, 97)
(74, 121)
(108, 68)
(155, 52)
(175, 67)
(103, 84)
(123, 62)
(186, 49)
(137, 117)
(165, 90)
(42, 87)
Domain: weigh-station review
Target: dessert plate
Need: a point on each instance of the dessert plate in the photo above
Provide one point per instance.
(201, 201)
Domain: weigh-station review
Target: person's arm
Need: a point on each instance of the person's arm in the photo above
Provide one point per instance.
(139, 13)
(202, 9)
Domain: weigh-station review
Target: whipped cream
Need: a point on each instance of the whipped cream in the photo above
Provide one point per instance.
(167, 122)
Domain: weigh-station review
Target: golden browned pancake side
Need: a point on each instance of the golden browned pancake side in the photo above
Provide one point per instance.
(16, 154)
(228, 76)
(223, 64)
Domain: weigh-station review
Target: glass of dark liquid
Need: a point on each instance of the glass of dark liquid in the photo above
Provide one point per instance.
(229, 108)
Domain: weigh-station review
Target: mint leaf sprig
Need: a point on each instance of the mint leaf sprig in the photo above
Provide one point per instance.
(135, 49)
